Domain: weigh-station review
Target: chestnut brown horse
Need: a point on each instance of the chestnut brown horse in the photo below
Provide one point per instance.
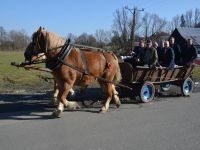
(71, 66)
(31, 58)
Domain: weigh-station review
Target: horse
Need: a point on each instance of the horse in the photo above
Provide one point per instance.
(40, 57)
(71, 66)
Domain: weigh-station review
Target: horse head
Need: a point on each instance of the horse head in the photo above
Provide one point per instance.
(44, 42)
(37, 46)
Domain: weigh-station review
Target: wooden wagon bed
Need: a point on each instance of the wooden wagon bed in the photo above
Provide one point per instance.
(142, 79)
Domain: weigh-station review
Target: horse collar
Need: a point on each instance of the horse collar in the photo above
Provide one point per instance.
(56, 62)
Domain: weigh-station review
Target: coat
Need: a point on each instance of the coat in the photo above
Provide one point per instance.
(148, 56)
(189, 55)
(177, 53)
(167, 58)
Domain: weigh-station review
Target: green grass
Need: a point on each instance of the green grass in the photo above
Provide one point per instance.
(196, 73)
(14, 79)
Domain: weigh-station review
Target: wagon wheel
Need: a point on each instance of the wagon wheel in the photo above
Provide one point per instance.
(147, 92)
(187, 87)
(165, 87)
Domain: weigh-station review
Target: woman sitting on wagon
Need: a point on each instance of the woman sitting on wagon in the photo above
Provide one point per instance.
(167, 57)
(148, 55)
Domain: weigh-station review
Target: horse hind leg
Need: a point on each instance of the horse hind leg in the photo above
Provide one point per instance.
(109, 93)
(116, 97)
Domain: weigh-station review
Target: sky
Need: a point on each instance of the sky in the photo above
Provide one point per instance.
(80, 16)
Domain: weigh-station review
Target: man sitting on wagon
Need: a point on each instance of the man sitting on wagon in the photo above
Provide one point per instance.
(133, 59)
(189, 53)
(148, 55)
(167, 57)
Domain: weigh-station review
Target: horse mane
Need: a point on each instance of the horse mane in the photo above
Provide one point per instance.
(54, 39)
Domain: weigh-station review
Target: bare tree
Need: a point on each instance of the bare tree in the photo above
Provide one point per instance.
(196, 17)
(85, 39)
(2, 34)
(72, 37)
(146, 24)
(18, 39)
(121, 26)
(102, 37)
(189, 17)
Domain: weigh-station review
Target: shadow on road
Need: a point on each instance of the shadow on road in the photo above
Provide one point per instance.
(32, 106)
(28, 106)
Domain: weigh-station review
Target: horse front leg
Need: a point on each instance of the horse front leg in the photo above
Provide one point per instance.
(71, 105)
(54, 98)
(55, 94)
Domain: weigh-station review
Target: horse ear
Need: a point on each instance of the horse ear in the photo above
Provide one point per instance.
(40, 29)
(68, 41)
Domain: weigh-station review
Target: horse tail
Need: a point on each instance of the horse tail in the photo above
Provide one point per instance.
(118, 75)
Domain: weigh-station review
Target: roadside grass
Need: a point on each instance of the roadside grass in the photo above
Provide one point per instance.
(196, 73)
(14, 79)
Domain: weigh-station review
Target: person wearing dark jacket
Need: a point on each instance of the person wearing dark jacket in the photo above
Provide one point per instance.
(136, 51)
(167, 56)
(160, 49)
(134, 59)
(189, 53)
(148, 55)
(177, 50)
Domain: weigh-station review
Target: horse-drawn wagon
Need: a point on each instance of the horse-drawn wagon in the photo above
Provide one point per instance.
(72, 66)
(144, 80)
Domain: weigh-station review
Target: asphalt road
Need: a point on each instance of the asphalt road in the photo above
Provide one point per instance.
(168, 123)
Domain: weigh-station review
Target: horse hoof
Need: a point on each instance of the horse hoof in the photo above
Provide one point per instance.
(73, 105)
(52, 104)
(56, 114)
(103, 110)
(118, 105)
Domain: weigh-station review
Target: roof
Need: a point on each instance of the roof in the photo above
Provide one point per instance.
(193, 33)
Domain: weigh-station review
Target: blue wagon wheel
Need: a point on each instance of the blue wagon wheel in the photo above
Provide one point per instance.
(165, 87)
(147, 92)
(187, 87)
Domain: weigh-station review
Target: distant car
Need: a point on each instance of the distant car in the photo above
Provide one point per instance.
(197, 61)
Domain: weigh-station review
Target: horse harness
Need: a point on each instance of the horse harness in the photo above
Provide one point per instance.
(65, 51)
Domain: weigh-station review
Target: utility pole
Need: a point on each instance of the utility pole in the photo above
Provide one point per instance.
(133, 12)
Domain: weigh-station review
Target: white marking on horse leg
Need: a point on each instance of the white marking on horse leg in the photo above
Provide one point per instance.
(116, 97)
(71, 91)
(54, 97)
(73, 105)
(61, 107)
(106, 105)
(57, 112)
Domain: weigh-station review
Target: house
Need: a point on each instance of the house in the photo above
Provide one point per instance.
(159, 36)
(181, 35)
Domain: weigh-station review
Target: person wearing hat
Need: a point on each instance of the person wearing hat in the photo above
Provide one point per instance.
(148, 55)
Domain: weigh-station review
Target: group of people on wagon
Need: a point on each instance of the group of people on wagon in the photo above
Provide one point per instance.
(167, 54)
